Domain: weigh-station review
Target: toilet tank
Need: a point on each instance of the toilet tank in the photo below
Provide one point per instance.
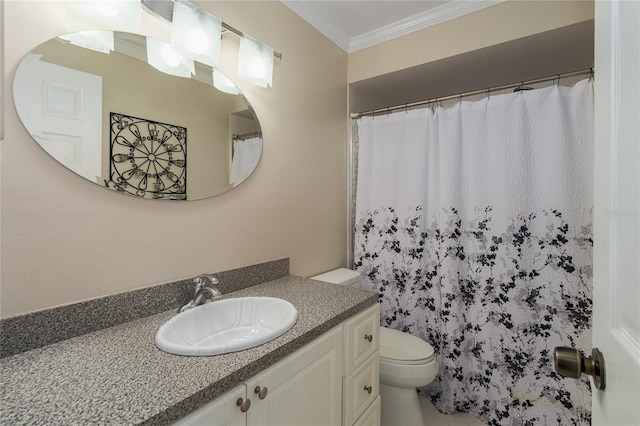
(341, 276)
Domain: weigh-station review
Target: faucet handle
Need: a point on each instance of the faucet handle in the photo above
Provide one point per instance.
(201, 280)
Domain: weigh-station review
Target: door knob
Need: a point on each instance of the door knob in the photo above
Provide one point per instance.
(569, 362)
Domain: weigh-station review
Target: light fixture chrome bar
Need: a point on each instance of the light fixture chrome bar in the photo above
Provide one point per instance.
(163, 9)
(488, 91)
(240, 34)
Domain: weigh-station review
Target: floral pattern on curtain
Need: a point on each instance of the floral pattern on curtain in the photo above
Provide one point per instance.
(492, 287)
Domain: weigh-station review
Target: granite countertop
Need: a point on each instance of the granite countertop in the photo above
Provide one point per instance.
(118, 376)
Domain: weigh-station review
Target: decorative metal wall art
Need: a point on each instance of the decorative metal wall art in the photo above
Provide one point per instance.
(148, 159)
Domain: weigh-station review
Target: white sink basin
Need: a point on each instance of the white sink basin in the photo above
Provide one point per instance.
(228, 325)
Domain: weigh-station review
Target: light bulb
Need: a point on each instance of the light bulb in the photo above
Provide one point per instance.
(171, 58)
(226, 82)
(256, 68)
(197, 41)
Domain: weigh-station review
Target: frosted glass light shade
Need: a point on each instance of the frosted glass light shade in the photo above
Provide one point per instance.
(162, 57)
(100, 41)
(222, 83)
(120, 14)
(255, 62)
(195, 33)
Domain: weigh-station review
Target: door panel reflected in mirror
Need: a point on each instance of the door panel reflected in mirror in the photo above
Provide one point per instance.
(119, 122)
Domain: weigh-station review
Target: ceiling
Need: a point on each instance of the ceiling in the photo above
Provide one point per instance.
(357, 24)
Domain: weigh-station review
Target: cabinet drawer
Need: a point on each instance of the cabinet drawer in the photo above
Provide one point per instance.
(371, 416)
(361, 335)
(360, 389)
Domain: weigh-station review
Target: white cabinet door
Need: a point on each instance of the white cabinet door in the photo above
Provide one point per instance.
(616, 284)
(303, 389)
(222, 411)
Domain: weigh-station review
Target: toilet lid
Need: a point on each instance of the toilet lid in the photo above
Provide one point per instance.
(403, 348)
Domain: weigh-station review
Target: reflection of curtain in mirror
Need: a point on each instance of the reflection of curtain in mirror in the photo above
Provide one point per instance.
(246, 154)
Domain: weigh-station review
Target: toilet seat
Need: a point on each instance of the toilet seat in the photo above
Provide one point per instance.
(404, 349)
(406, 362)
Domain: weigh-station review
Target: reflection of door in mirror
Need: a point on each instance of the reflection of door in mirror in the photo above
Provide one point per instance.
(64, 109)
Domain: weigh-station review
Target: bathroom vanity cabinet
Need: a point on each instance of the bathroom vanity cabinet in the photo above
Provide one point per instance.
(332, 380)
(323, 371)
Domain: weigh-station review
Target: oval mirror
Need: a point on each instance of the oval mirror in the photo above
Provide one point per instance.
(96, 105)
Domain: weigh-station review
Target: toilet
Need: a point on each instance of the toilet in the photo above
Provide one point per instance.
(406, 363)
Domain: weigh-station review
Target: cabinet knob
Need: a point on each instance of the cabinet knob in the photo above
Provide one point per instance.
(368, 337)
(244, 404)
(368, 389)
(262, 392)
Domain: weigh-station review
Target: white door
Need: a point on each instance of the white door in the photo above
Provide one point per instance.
(62, 109)
(616, 295)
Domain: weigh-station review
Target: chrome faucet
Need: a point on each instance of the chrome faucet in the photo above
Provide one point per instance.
(203, 291)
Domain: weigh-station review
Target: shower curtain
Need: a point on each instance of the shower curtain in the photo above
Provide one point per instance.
(246, 154)
(473, 224)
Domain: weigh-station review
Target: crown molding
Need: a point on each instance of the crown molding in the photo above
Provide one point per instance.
(309, 14)
(437, 15)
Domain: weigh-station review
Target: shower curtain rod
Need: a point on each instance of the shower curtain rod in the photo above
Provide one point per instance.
(246, 136)
(488, 91)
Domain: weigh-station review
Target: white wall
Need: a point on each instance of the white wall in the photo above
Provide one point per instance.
(65, 239)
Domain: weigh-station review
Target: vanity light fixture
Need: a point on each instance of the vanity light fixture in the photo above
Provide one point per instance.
(255, 62)
(100, 41)
(195, 33)
(120, 14)
(162, 57)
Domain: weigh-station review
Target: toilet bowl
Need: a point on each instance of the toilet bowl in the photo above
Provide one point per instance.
(406, 363)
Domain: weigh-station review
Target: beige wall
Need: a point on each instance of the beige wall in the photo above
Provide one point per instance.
(500, 23)
(64, 239)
